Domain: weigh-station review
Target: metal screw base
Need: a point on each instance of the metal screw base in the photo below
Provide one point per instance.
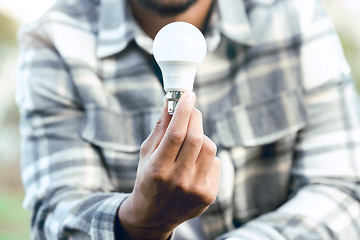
(172, 97)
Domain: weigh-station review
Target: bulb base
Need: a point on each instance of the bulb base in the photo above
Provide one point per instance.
(172, 97)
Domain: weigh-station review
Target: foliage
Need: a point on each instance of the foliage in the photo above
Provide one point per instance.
(14, 221)
(352, 54)
(8, 30)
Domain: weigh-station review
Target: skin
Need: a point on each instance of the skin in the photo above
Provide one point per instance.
(151, 21)
(178, 174)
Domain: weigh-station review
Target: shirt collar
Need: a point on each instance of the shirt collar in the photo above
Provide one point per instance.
(117, 28)
(234, 22)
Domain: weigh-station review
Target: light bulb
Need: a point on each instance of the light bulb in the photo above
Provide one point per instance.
(179, 48)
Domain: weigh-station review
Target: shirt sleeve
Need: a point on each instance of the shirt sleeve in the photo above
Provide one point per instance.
(67, 187)
(326, 168)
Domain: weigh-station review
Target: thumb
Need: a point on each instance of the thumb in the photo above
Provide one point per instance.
(153, 140)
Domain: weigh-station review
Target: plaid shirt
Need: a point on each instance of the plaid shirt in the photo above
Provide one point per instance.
(276, 96)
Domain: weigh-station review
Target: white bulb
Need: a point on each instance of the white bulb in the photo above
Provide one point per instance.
(179, 49)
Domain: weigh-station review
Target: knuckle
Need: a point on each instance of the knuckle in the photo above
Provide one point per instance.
(145, 146)
(209, 198)
(159, 176)
(217, 163)
(206, 196)
(197, 113)
(158, 125)
(158, 128)
(181, 185)
(210, 147)
(176, 137)
(196, 140)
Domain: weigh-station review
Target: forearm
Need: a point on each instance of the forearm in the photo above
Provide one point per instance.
(316, 212)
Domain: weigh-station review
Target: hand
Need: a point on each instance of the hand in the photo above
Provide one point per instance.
(178, 175)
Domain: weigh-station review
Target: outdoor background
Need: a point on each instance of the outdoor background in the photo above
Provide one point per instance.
(14, 221)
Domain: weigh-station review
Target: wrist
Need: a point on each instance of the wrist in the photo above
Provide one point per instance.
(129, 229)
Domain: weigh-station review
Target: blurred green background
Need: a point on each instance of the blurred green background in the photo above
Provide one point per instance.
(14, 221)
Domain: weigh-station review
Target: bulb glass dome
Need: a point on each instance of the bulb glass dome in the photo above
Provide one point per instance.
(179, 49)
(179, 41)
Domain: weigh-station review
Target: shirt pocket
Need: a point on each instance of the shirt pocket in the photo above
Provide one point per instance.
(263, 122)
(118, 137)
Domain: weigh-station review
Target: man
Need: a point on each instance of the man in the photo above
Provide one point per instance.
(276, 100)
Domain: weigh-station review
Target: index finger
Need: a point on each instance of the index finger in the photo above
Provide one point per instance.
(177, 129)
(153, 140)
